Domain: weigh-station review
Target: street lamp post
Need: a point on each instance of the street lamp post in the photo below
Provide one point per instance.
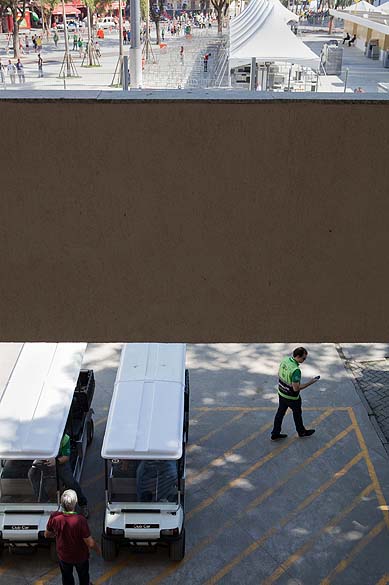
(65, 32)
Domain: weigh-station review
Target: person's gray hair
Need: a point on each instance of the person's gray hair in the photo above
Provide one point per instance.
(69, 500)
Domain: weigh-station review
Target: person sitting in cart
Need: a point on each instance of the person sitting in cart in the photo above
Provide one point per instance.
(40, 469)
(156, 481)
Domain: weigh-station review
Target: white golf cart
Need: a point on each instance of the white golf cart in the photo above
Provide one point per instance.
(43, 394)
(144, 450)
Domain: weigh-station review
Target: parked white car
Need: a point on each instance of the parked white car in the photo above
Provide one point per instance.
(106, 22)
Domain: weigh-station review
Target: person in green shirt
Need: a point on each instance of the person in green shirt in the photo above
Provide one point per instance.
(289, 387)
(65, 474)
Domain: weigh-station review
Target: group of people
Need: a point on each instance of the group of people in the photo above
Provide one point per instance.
(17, 69)
(349, 40)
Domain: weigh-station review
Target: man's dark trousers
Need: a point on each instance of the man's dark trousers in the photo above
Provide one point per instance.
(284, 404)
(67, 572)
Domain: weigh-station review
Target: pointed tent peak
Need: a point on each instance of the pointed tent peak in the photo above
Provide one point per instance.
(287, 15)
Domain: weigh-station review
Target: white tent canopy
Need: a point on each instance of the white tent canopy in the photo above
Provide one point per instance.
(261, 31)
(361, 6)
(384, 8)
(36, 392)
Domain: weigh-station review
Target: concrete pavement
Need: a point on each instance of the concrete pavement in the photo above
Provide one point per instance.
(297, 512)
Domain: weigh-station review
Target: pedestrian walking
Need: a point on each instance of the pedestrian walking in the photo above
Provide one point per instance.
(163, 34)
(182, 54)
(39, 44)
(80, 44)
(73, 540)
(40, 66)
(97, 49)
(75, 42)
(289, 388)
(20, 71)
(2, 75)
(11, 71)
(205, 61)
(26, 44)
(56, 38)
(33, 38)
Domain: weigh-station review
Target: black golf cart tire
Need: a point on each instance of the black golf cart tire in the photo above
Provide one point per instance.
(109, 549)
(2, 547)
(90, 431)
(177, 548)
(53, 552)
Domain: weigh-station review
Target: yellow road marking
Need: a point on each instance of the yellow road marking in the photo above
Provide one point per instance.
(191, 553)
(298, 468)
(46, 578)
(380, 496)
(214, 431)
(235, 482)
(384, 580)
(285, 520)
(195, 475)
(305, 548)
(356, 550)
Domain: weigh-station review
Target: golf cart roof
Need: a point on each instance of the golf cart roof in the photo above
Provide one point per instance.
(145, 419)
(36, 391)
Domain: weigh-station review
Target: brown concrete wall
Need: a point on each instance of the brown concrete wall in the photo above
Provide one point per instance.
(194, 221)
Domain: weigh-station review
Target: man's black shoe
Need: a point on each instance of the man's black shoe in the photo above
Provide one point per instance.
(307, 433)
(276, 437)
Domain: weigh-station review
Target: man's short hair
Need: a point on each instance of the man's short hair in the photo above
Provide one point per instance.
(300, 352)
(69, 500)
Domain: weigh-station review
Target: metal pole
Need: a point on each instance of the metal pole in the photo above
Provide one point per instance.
(135, 50)
(147, 29)
(125, 73)
(65, 31)
(253, 74)
(290, 75)
(89, 36)
(120, 32)
(345, 81)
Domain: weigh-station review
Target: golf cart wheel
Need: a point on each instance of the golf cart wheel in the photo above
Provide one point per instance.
(53, 552)
(90, 431)
(177, 548)
(109, 549)
(2, 547)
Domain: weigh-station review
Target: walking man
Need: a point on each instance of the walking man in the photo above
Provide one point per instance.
(20, 71)
(289, 387)
(40, 66)
(11, 71)
(2, 76)
(73, 540)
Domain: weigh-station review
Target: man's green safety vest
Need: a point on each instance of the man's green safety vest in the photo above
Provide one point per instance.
(285, 374)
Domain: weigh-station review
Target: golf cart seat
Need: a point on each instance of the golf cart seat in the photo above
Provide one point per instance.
(14, 479)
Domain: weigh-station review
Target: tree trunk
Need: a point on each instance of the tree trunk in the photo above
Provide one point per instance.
(219, 21)
(15, 33)
(158, 33)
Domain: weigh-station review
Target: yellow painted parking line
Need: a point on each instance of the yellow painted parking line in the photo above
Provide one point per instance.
(215, 431)
(384, 580)
(46, 578)
(285, 520)
(219, 461)
(266, 494)
(235, 482)
(373, 476)
(356, 550)
(192, 552)
(296, 556)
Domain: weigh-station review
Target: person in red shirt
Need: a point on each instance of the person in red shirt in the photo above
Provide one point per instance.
(73, 540)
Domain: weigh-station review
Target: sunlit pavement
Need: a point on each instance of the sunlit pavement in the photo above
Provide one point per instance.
(298, 512)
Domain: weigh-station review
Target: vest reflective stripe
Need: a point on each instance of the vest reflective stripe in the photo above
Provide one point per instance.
(285, 374)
